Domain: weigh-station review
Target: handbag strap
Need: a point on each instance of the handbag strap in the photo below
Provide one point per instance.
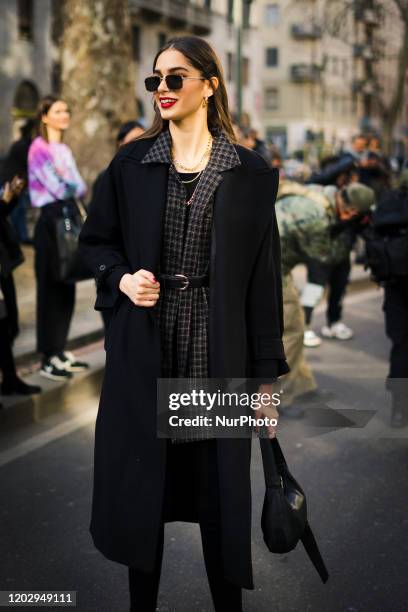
(313, 552)
(271, 473)
(81, 208)
(272, 457)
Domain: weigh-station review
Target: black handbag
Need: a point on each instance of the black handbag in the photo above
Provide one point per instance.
(387, 255)
(284, 513)
(70, 266)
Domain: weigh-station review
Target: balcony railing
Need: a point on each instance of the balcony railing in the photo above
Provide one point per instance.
(365, 52)
(305, 73)
(200, 19)
(369, 16)
(306, 31)
(363, 86)
(149, 9)
(177, 13)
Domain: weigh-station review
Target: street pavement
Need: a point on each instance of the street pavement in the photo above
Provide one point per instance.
(354, 478)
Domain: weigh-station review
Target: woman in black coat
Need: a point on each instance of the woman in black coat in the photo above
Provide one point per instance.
(183, 240)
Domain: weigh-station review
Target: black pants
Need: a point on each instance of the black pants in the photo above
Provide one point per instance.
(191, 492)
(10, 298)
(396, 326)
(338, 281)
(7, 366)
(55, 300)
(336, 277)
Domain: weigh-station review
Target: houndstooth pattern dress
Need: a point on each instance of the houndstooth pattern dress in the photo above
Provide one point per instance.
(183, 315)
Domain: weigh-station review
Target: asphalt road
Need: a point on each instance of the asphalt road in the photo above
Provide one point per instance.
(355, 479)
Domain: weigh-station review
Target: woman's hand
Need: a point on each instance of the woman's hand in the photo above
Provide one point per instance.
(267, 410)
(12, 190)
(141, 288)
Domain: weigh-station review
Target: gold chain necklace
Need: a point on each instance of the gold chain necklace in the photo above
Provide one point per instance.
(205, 154)
(194, 179)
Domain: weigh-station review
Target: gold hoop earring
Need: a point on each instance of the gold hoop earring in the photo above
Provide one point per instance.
(205, 102)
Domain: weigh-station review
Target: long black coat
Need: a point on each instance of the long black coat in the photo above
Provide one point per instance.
(123, 234)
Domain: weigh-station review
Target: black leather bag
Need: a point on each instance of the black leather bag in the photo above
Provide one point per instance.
(284, 514)
(387, 255)
(70, 266)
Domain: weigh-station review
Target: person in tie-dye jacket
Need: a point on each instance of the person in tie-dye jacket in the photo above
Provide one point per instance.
(54, 183)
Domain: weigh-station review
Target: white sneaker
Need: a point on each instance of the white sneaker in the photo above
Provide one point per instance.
(310, 339)
(338, 331)
(54, 369)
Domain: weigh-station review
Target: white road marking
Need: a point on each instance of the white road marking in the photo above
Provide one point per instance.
(55, 433)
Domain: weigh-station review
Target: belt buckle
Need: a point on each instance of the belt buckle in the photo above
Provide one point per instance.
(185, 280)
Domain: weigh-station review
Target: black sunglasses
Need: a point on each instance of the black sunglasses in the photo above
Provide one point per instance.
(173, 81)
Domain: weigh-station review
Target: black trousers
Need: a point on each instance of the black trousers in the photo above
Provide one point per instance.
(7, 366)
(9, 291)
(55, 300)
(336, 277)
(396, 326)
(191, 494)
(338, 281)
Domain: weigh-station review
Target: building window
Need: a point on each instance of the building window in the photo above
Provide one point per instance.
(230, 11)
(25, 19)
(272, 56)
(271, 98)
(136, 43)
(345, 68)
(245, 71)
(161, 39)
(246, 13)
(272, 14)
(26, 99)
(277, 136)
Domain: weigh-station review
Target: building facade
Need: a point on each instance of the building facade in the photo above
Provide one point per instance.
(30, 34)
(301, 86)
(26, 62)
(306, 77)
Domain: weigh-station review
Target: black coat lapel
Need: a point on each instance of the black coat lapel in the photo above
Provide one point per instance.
(145, 187)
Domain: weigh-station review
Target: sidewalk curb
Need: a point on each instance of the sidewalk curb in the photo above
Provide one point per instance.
(29, 360)
(56, 397)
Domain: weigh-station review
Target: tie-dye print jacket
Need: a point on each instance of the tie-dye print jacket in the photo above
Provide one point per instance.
(52, 173)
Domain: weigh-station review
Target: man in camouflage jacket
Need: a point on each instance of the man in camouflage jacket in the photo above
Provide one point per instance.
(311, 219)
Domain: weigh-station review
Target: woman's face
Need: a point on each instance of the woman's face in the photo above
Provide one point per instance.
(181, 103)
(58, 116)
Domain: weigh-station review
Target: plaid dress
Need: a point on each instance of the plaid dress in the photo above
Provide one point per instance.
(183, 315)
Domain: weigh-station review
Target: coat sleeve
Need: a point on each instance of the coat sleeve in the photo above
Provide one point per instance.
(101, 242)
(265, 309)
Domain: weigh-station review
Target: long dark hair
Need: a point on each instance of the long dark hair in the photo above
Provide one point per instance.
(203, 57)
(43, 107)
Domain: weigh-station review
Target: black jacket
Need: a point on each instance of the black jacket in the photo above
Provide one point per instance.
(123, 234)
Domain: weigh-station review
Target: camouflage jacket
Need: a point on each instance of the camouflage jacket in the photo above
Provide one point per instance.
(306, 215)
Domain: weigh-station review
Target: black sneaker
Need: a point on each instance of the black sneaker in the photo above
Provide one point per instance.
(19, 387)
(70, 363)
(53, 368)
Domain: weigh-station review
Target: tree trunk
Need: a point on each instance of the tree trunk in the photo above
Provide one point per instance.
(97, 79)
(390, 113)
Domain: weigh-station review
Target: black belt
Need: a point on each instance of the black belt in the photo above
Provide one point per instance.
(181, 281)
